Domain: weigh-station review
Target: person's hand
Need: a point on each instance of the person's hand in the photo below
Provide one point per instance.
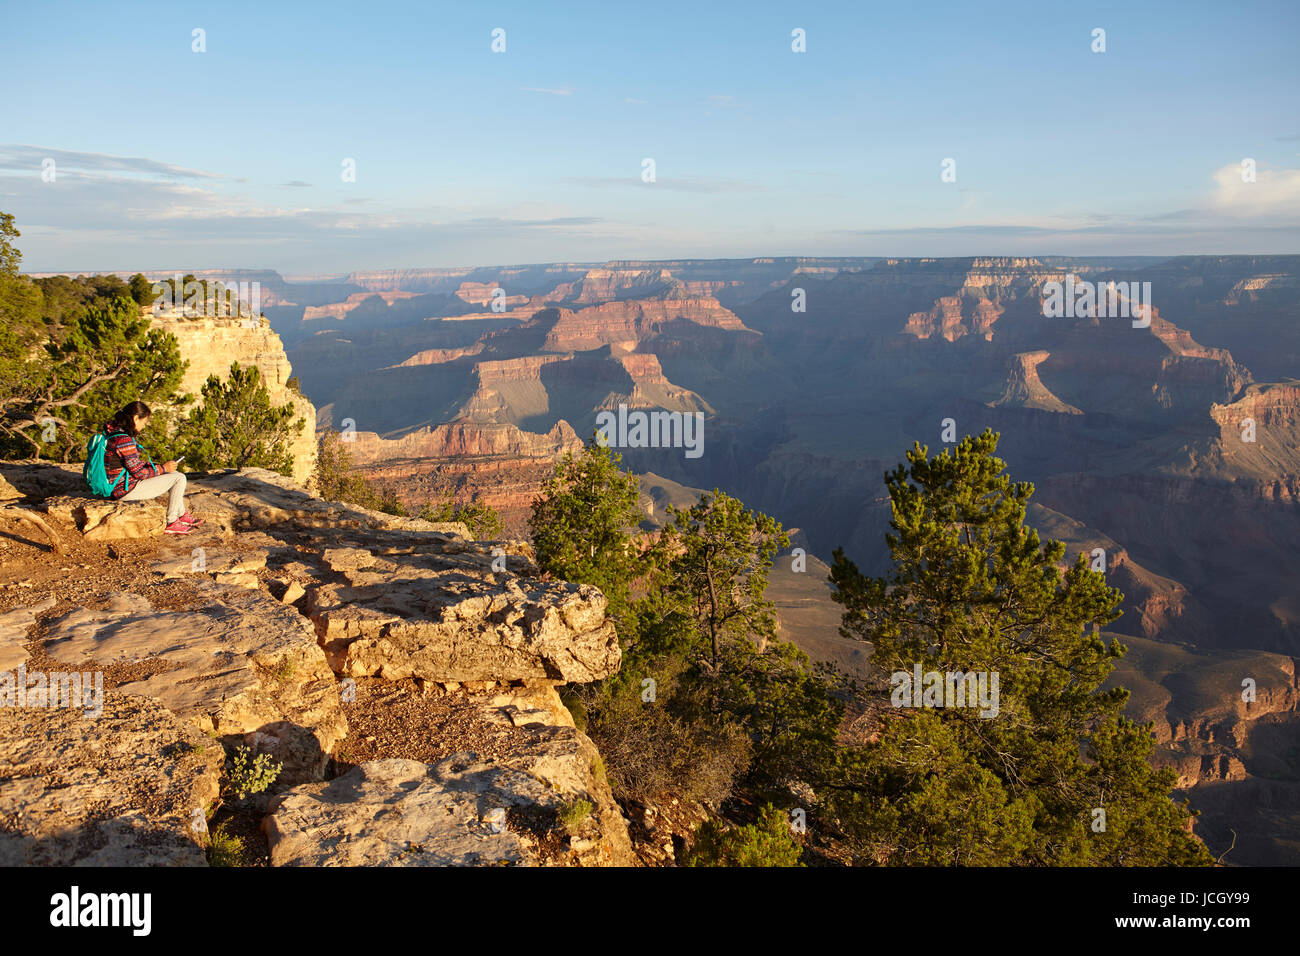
(169, 466)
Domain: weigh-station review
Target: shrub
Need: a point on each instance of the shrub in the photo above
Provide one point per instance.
(574, 815)
(336, 480)
(225, 849)
(767, 842)
(236, 426)
(651, 751)
(483, 521)
(253, 775)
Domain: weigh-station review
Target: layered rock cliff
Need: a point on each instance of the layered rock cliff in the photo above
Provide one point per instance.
(339, 310)
(631, 321)
(499, 465)
(211, 345)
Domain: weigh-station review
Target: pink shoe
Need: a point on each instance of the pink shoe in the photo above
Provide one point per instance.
(190, 519)
(179, 527)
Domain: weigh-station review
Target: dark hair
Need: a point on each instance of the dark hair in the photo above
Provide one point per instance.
(124, 420)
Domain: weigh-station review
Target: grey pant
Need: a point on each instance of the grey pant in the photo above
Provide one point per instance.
(173, 482)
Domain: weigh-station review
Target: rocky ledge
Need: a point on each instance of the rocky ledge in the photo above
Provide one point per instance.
(255, 632)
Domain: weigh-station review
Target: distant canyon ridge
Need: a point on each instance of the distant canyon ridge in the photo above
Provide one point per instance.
(815, 375)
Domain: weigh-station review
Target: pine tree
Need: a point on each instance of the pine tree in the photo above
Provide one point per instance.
(974, 590)
(713, 562)
(580, 526)
(767, 842)
(236, 426)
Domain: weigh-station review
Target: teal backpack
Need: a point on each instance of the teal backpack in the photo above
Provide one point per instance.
(94, 473)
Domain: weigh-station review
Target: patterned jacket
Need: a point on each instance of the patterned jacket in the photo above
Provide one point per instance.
(122, 452)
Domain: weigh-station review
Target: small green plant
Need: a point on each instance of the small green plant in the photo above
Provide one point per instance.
(576, 706)
(574, 815)
(766, 843)
(225, 849)
(283, 669)
(252, 775)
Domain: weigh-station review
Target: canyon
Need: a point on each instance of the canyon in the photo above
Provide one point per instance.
(815, 375)
(1172, 449)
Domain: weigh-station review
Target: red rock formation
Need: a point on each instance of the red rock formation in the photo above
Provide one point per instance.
(339, 310)
(484, 293)
(606, 285)
(1272, 405)
(497, 465)
(464, 438)
(630, 321)
(951, 317)
(439, 356)
(1026, 390)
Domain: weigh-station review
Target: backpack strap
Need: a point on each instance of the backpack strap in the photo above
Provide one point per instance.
(123, 475)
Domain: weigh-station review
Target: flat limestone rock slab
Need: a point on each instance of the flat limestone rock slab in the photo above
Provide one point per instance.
(126, 788)
(264, 499)
(101, 520)
(248, 499)
(243, 554)
(240, 664)
(413, 606)
(13, 632)
(402, 813)
(463, 810)
(37, 480)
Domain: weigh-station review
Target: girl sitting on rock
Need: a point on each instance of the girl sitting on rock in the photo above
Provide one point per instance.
(143, 479)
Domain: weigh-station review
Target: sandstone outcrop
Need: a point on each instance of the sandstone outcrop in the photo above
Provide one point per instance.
(1026, 390)
(241, 665)
(211, 344)
(455, 619)
(230, 501)
(500, 465)
(101, 520)
(14, 625)
(339, 310)
(631, 320)
(440, 356)
(129, 787)
(465, 810)
(400, 813)
(467, 440)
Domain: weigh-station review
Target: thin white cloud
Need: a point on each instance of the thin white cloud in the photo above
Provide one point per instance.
(561, 91)
(20, 158)
(685, 184)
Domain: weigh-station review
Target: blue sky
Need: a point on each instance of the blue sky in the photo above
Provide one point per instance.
(166, 158)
